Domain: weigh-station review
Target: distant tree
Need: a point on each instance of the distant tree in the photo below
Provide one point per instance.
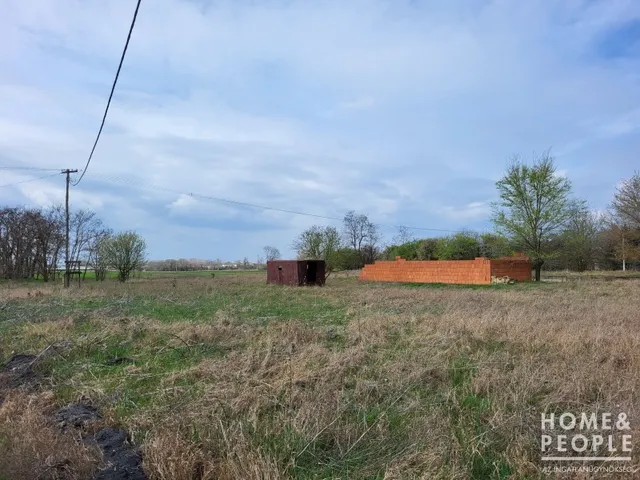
(579, 239)
(319, 243)
(624, 244)
(347, 258)
(427, 249)
(406, 250)
(461, 246)
(369, 253)
(494, 246)
(271, 253)
(49, 238)
(361, 234)
(626, 202)
(126, 252)
(99, 256)
(533, 208)
(403, 236)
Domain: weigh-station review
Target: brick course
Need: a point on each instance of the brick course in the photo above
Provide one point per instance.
(475, 272)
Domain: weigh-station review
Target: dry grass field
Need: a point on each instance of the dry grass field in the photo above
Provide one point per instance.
(230, 378)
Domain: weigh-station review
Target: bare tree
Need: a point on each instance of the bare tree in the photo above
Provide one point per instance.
(362, 235)
(626, 202)
(24, 242)
(271, 253)
(579, 240)
(85, 226)
(32, 240)
(359, 231)
(49, 237)
(403, 236)
(126, 252)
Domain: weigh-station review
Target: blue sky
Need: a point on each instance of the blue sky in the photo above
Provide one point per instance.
(408, 111)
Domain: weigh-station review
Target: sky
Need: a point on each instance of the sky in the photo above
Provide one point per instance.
(406, 110)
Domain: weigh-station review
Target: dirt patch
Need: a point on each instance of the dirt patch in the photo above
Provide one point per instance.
(19, 363)
(122, 457)
(77, 415)
(16, 372)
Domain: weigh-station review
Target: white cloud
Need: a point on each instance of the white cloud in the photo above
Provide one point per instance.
(470, 211)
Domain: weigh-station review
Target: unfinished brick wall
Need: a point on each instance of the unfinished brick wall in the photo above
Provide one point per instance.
(475, 272)
(517, 268)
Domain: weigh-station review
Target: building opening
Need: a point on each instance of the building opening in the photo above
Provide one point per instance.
(312, 272)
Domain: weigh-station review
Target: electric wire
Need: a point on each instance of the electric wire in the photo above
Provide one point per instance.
(38, 169)
(113, 87)
(252, 205)
(30, 180)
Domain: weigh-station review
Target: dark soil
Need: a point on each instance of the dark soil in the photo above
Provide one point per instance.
(19, 363)
(123, 458)
(77, 415)
(17, 372)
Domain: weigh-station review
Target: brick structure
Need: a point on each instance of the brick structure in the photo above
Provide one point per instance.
(476, 272)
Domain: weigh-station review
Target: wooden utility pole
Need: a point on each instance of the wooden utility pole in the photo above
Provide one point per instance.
(624, 256)
(67, 172)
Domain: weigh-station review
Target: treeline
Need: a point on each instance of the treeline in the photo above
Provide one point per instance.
(33, 244)
(32, 241)
(193, 264)
(357, 243)
(536, 214)
(588, 243)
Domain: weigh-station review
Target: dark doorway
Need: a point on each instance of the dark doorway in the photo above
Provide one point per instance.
(312, 273)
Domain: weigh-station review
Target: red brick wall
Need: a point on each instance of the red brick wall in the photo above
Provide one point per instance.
(478, 271)
(517, 268)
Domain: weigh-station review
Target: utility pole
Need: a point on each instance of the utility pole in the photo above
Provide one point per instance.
(67, 172)
(624, 257)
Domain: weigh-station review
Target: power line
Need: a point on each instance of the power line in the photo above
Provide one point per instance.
(30, 180)
(4, 167)
(252, 205)
(113, 87)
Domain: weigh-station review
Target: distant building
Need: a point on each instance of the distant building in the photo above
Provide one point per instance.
(296, 272)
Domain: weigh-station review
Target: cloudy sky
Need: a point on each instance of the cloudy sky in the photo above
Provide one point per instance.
(405, 110)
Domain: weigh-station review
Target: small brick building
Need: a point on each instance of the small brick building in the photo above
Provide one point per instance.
(296, 272)
(478, 272)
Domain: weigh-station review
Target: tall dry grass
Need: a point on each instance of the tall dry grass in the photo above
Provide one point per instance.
(33, 447)
(415, 383)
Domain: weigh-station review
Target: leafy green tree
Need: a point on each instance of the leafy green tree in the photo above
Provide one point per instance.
(533, 208)
(579, 240)
(126, 252)
(495, 246)
(427, 249)
(347, 258)
(407, 250)
(461, 246)
(319, 243)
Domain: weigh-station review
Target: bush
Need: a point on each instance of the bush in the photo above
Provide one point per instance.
(408, 251)
(347, 259)
(460, 246)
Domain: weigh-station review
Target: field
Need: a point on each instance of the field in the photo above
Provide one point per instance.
(230, 378)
